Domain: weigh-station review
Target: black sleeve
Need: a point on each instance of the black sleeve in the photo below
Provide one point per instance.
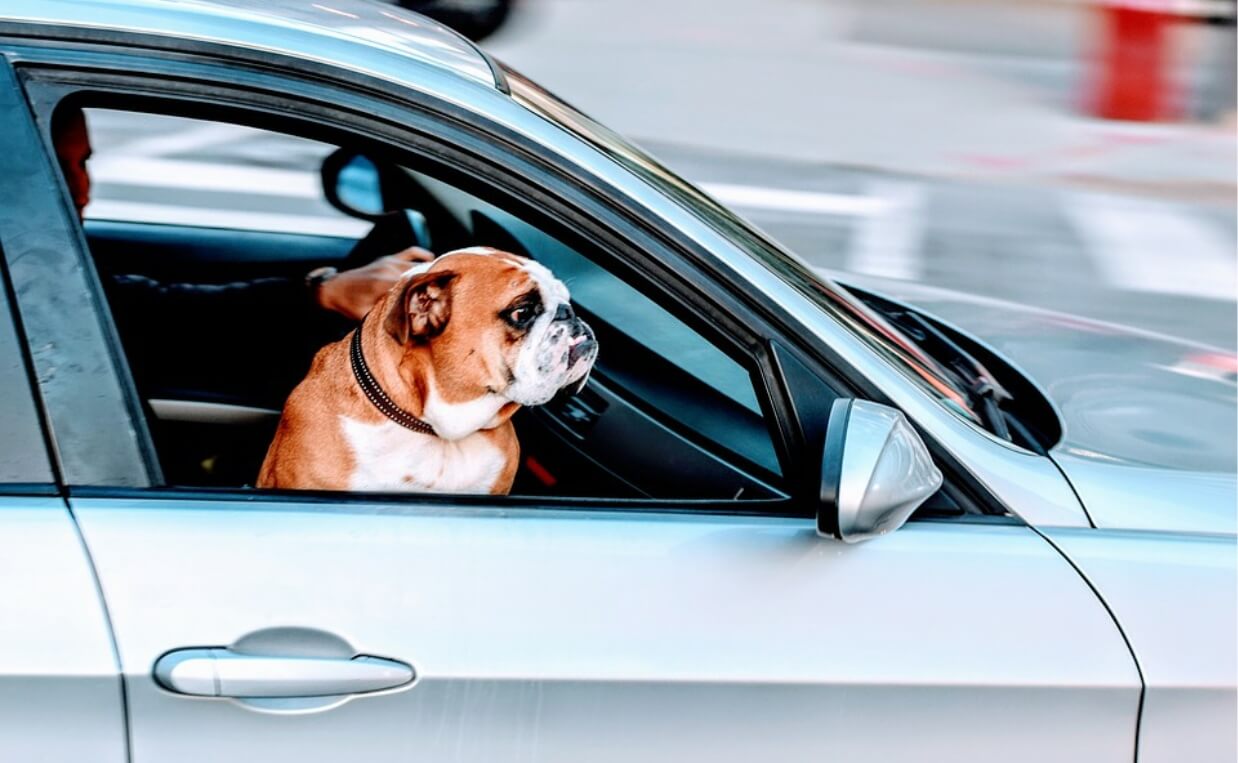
(282, 298)
(245, 341)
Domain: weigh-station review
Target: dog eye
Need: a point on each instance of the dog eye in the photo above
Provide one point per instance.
(521, 317)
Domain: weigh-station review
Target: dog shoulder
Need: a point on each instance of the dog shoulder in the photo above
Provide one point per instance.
(304, 454)
(504, 439)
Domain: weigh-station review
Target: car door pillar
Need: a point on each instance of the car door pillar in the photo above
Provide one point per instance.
(62, 308)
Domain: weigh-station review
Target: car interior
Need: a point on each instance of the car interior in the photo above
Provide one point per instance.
(666, 413)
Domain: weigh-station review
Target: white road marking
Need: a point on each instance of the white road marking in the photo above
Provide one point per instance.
(192, 175)
(189, 139)
(239, 219)
(206, 176)
(785, 200)
(128, 169)
(888, 244)
(1144, 245)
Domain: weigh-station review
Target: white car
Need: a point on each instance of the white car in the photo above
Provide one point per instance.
(786, 520)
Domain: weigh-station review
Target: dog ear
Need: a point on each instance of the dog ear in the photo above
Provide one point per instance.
(423, 307)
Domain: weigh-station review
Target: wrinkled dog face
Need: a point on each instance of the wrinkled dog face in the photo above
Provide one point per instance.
(494, 323)
(557, 349)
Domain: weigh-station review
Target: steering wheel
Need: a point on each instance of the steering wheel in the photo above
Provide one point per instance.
(392, 232)
(353, 183)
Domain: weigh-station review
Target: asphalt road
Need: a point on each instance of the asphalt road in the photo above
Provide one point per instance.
(1162, 265)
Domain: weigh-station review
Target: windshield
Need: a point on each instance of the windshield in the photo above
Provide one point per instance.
(861, 319)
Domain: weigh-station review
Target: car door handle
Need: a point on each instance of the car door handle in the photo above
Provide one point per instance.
(221, 672)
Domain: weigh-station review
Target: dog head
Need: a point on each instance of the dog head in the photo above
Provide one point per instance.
(493, 323)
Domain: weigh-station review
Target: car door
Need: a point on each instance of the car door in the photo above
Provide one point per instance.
(61, 697)
(257, 626)
(565, 634)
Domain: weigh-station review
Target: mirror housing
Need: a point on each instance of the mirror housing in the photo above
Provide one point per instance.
(351, 184)
(875, 471)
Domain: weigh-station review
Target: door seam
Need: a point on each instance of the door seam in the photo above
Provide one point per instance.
(1143, 684)
(111, 632)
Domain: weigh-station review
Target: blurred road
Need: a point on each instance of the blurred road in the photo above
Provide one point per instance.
(945, 88)
(936, 141)
(826, 125)
(1165, 266)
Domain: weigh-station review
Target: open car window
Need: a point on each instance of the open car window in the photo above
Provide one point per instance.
(667, 414)
(733, 422)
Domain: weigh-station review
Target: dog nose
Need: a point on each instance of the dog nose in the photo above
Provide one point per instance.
(580, 349)
(564, 313)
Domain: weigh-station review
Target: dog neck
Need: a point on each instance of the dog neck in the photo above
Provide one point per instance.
(407, 376)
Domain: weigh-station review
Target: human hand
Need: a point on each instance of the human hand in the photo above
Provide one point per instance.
(352, 293)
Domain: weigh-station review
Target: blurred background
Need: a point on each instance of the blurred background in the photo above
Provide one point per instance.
(1072, 155)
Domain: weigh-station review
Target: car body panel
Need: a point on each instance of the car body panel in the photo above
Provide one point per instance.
(363, 37)
(60, 691)
(1174, 595)
(1150, 423)
(1138, 497)
(585, 635)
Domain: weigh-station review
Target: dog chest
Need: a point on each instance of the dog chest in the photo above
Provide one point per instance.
(389, 457)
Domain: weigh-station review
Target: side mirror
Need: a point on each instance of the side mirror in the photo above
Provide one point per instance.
(350, 182)
(875, 471)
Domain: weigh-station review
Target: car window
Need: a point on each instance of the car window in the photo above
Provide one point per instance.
(153, 168)
(606, 297)
(23, 454)
(865, 322)
(184, 211)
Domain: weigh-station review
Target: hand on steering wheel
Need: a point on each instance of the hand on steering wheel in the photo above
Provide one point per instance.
(352, 293)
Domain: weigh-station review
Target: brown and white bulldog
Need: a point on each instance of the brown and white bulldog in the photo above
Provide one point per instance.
(420, 396)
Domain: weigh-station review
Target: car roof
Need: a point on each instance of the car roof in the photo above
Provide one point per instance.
(361, 35)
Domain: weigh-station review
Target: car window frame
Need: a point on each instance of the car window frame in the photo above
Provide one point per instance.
(699, 436)
(46, 86)
(41, 247)
(26, 465)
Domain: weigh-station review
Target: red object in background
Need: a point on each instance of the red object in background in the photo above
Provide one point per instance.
(1133, 81)
(541, 473)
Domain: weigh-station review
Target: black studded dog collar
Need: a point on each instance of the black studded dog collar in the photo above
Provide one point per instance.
(374, 392)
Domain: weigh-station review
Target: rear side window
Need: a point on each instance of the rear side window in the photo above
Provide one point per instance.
(23, 453)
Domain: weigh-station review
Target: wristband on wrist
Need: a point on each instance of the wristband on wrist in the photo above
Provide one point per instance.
(317, 277)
